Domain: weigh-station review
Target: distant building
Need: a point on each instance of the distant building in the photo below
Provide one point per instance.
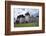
(21, 19)
(27, 17)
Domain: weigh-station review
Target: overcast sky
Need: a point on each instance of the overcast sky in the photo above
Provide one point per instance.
(19, 11)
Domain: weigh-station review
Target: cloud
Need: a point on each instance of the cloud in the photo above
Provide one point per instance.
(19, 11)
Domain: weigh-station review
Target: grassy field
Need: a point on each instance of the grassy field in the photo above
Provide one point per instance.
(27, 25)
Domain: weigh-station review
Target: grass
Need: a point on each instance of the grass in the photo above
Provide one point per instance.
(27, 25)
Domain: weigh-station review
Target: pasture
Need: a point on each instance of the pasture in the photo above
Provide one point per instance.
(26, 25)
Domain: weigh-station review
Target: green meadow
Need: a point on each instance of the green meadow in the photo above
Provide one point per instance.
(26, 25)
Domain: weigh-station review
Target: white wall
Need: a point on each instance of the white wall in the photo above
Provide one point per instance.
(2, 18)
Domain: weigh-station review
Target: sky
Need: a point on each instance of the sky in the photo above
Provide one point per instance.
(19, 11)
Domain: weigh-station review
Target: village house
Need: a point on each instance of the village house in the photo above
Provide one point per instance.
(20, 19)
(27, 17)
